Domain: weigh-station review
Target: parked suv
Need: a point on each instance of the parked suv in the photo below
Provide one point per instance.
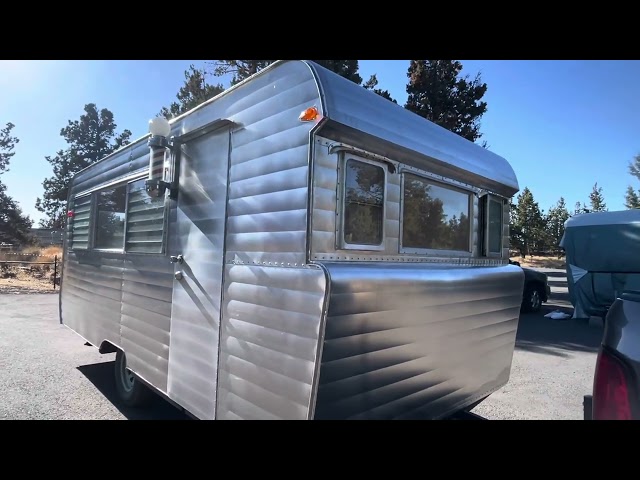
(536, 289)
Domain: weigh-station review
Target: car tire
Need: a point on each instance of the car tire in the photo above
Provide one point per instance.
(532, 299)
(131, 391)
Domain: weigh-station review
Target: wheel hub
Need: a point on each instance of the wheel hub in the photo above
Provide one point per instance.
(535, 299)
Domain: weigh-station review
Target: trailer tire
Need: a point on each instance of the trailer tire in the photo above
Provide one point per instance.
(131, 391)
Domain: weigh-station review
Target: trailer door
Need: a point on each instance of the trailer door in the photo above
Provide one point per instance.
(197, 250)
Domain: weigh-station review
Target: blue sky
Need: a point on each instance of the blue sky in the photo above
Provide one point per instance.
(563, 125)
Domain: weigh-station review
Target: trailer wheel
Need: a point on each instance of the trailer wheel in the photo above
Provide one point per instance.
(132, 392)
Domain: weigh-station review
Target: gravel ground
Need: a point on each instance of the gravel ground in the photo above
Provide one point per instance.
(27, 282)
(46, 371)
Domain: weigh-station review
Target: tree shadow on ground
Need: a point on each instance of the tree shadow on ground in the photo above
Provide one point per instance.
(557, 337)
(101, 375)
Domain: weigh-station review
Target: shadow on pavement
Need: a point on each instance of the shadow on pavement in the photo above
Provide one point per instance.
(101, 375)
(556, 337)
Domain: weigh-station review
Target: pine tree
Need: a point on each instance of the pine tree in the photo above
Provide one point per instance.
(372, 83)
(90, 139)
(596, 199)
(527, 224)
(632, 198)
(438, 93)
(580, 208)
(555, 220)
(14, 225)
(195, 91)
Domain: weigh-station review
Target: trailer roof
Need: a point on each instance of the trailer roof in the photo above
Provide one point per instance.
(354, 106)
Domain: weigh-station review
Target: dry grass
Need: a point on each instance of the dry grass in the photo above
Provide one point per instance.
(538, 261)
(29, 278)
(26, 281)
(51, 251)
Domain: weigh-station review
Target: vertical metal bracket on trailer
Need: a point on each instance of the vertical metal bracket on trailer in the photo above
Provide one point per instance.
(159, 145)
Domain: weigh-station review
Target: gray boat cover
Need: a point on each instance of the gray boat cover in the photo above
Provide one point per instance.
(603, 259)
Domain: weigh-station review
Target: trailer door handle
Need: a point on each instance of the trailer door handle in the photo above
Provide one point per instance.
(177, 259)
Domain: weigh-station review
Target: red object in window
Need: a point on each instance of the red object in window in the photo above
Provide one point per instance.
(611, 391)
(70, 214)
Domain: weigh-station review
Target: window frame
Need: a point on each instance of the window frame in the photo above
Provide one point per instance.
(441, 184)
(342, 204)
(93, 226)
(486, 252)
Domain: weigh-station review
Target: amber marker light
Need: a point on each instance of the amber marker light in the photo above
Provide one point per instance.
(309, 115)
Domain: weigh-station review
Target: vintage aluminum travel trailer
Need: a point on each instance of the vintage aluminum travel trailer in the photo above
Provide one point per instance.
(297, 247)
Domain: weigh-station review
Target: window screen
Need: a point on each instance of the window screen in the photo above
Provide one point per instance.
(145, 220)
(364, 203)
(434, 216)
(80, 223)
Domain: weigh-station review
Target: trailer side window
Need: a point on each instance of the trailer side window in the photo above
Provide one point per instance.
(435, 216)
(363, 203)
(145, 220)
(111, 205)
(495, 226)
(80, 223)
(490, 218)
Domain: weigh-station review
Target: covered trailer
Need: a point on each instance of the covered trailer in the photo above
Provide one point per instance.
(601, 259)
(297, 247)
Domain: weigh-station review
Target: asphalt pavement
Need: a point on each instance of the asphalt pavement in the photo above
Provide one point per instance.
(47, 372)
